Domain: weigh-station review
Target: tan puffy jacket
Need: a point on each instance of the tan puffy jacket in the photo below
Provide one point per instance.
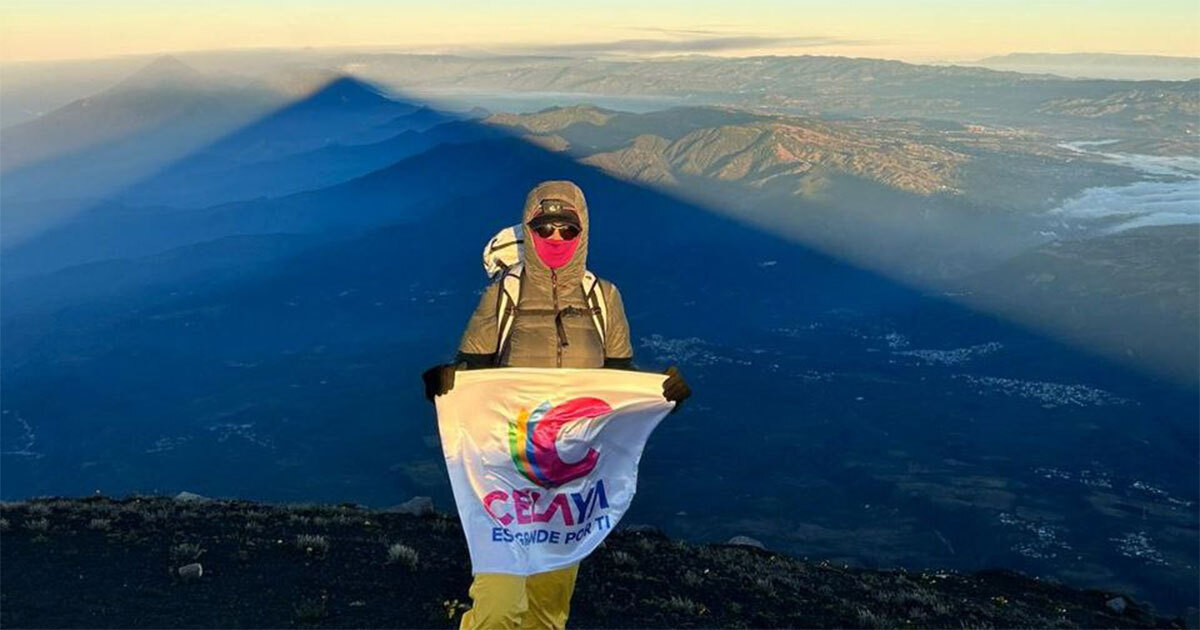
(546, 294)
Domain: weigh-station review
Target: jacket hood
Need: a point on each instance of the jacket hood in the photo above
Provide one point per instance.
(567, 191)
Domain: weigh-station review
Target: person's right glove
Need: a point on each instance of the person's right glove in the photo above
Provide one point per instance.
(675, 388)
(439, 379)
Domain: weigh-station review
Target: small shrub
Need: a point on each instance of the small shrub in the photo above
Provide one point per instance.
(644, 544)
(920, 596)
(311, 609)
(186, 552)
(885, 596)
(442, 525)
(104, 509)
(132, 507)
(403, 555)
(623, 559)
(38, 524)
(298, 519)
(867, 619)
(453, 608)
(4, 526)
(312, 542)
(102, 524)
(765, 585)
(691, 578)
(157, 514)
(343, 520)
(684, 606)
(38, 508)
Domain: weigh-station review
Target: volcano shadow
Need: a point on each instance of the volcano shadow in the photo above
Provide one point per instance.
(289, 370)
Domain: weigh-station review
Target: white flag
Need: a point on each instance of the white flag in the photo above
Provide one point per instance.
(543, 461)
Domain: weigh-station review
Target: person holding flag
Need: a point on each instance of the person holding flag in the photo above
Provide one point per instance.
(542, 310)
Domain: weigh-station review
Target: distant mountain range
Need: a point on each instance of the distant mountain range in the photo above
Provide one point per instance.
(1098, 65)
(767, 151)
(804, 84)
(946, 187)
(728, 145)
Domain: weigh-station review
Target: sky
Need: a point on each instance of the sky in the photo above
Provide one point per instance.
(914, 30)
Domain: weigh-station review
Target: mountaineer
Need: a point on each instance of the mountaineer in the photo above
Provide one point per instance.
(542, 309)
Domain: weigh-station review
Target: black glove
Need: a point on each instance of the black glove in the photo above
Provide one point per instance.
(439, 379)
(675, 388)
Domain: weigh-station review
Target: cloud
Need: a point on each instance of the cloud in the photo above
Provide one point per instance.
(693, 44)
(675, 31)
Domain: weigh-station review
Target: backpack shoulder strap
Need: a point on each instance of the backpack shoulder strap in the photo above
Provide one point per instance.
(595, 299)
(507, 299)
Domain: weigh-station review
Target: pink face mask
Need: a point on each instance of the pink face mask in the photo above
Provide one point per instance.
(554, 253)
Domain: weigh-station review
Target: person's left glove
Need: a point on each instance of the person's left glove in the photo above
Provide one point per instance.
(675, 388)
(439, 379)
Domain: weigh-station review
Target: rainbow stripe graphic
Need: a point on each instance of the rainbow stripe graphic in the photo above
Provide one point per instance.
(532, 439)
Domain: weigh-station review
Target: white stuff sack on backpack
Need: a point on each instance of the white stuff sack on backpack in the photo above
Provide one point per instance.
(504, 250)
(543, 461)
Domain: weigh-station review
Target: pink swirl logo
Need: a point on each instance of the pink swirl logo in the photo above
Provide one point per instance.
(533, 439)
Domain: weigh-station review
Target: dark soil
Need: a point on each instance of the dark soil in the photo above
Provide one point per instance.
(100, 562)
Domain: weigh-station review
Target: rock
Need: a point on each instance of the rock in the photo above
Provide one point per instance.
(191, 571)
(191, 496)
(416, 506)
(1116, 604)
(745, 541)
(640, 528)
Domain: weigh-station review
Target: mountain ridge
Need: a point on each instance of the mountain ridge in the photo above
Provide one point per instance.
(1111, 66)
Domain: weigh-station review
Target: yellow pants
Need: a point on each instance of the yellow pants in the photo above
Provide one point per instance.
(542, 600)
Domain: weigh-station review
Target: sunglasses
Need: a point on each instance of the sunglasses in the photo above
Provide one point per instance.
(566, 230)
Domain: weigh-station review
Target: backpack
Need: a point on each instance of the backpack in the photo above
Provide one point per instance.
(503, 257)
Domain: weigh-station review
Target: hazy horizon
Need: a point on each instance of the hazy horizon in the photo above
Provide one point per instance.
(499, 53)
(930, 31)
